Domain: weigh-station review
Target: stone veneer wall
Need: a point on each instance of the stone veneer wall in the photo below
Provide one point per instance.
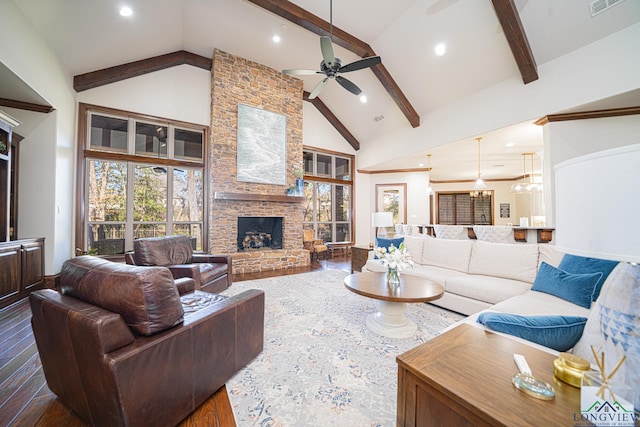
(234, 81)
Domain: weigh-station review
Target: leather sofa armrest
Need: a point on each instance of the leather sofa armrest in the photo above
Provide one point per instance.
(185, 285)
(185, 270)
(221, 259)
(129, 258)
(248, 312)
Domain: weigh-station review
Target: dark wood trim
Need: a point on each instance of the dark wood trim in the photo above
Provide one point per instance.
(333, 120)
(252, 197)
(309, 21)
(352, 166)
(403, 185)
(458, 181)
(117, 73)
(122, 157)
(82, 154)
(396, 94)
(28, 106)
(395, 171)
(316, 25)
(517, 38)
(595, 114)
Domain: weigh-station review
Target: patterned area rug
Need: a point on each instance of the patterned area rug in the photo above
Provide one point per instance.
(321, 365)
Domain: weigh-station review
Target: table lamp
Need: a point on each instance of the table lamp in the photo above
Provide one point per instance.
(381, 220)
(598, 216)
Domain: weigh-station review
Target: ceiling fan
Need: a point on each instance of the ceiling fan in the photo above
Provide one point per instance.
(331, 66)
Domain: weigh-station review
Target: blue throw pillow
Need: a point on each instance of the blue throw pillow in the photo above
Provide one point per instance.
(385, 243)
(579, 264)
(575, 288)
(557, 332)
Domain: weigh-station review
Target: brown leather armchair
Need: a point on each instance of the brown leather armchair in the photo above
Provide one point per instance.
(211, 273)
(119, 346)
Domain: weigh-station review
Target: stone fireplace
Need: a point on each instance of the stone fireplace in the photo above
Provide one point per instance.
(234, 81)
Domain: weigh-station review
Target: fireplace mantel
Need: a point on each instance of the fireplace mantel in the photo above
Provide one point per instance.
(218, 195)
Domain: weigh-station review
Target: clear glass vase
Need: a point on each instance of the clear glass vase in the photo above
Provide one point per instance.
(393, 277)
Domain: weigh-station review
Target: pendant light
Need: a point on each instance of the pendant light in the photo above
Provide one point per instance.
(479, 188)
(526, 187)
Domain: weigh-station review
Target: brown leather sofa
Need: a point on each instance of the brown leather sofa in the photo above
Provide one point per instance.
(118, 348)
(211, 273)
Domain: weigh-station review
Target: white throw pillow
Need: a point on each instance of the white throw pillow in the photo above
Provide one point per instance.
(453, 254)
(549, 254)
(517, 261)
(414, 245)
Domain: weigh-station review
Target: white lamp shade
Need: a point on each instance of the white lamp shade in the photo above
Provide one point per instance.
(598, 206)
(382, 219)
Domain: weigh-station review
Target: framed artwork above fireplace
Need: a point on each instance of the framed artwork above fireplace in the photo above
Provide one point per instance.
(262, 146)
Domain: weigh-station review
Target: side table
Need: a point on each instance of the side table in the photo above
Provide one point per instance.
(359, 255)
(463, 377)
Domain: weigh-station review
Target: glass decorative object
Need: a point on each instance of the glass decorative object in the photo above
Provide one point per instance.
(393, 277)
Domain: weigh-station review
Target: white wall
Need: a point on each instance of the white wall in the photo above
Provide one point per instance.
(178, 93)
(569, 139)
(317, 132)
(47, 153)
(417, 200)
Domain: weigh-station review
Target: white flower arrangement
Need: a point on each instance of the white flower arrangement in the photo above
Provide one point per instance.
(395, 258)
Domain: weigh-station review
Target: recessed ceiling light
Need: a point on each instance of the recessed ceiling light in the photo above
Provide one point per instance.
(510, 144)
(284, 27)
(126, 11)
(440, 49)
(420, 165)
(363, 99)
(276, 39)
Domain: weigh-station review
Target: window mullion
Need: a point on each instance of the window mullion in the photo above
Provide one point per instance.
(128, 236)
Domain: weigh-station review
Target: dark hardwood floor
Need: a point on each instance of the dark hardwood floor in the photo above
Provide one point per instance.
(25, 399)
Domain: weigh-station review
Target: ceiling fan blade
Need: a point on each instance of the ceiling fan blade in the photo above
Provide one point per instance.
(316, 90)
(301, 72)
(360, 64)
(348, 85)
(327, 51)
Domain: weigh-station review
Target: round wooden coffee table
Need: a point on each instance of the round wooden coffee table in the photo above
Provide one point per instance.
(389, 320)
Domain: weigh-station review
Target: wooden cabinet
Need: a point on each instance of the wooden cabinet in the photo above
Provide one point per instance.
(359, 256)
(21, 269)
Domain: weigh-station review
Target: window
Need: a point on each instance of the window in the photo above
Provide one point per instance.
(328, 195)
(141, 178)
(462, 209)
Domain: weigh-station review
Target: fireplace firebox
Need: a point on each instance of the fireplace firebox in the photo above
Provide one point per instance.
(259, 233)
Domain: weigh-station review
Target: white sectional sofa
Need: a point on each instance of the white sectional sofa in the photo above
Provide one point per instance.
(476, 275)
(483, 277)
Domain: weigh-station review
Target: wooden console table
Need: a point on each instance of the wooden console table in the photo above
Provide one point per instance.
(463, 377)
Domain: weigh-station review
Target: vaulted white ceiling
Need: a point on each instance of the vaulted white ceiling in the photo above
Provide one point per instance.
(89, 35)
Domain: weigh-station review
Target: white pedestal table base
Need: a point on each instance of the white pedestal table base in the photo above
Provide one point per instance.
(390, 322)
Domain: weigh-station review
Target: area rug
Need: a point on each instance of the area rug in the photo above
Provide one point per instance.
(321, 365)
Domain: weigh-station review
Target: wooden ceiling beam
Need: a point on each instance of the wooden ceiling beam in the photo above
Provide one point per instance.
(27, 106)
(517, 38)
(137, 68)
(297, 15)
(337, 124)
